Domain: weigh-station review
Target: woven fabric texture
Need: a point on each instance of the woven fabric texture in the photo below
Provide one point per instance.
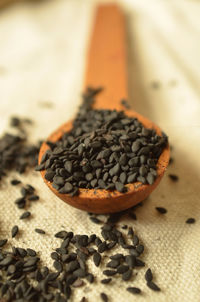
(42, 57)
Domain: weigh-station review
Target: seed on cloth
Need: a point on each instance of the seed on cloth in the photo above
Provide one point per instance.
(39, 231)
(15, 182)
(106, 281)
(161, 210)
(3, 242)
(134, 290)
(190, 220)
(104, 297)
(148, 275)
(97, 258)
(25, 215)
(14, 231)
(153, 286)
(173, 177)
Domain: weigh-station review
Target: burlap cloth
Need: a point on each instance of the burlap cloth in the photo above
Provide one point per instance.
(42, 57)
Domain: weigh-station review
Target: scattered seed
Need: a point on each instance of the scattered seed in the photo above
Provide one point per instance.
(109, 272)
(25, 215)
(14, 231)
(39, 231)
(127, 275)
(161, 210)
(90, 278)
(113, 264)
(106, 281)
(153, 286)
(22, 252)
(104, 297)
(173, 177)
(3, 242)
(148, 275)
(33, 198)
(102, 247)
(190, 220)
(15, 182)
(31, 252)
(95, 220)
(134, 290)
(97, 259)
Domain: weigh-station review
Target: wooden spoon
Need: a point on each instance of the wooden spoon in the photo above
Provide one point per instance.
(106, 67)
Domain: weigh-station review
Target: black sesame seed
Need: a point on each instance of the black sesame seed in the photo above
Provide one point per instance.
(61, 234)
(173, 177)
(153, 286)
(31, 261)
(72, 266)
(58, 266)
(39, 231)
(130, 232)
(106, 281)
(119, 187)
(3, 242)
(25, 215)
(161, 210)
(95, 220)
(31, 252)
(127, 275)
(122, 269)
(90, 278)
(134, 290)
(130, 260)
(14, 231)
(117, 257)
(104, 297)
(33, 198)
(139, 262)
(15, 182)
(110, 245)
(97, 259)
(135, 240)
(102, 247)
(52, 276)
(55, 256)
(124, 227)
(140, 249)
(22, 252)
(190, 220)
(113, 263)
(81, 273)
(109, 272)
(148, 275)
(6, 261)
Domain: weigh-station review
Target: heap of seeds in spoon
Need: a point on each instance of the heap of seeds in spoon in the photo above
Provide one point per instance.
(105, 149)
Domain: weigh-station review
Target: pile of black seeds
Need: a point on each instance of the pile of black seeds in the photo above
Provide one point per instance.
(20, 267)
(15, 152)
(105, 149)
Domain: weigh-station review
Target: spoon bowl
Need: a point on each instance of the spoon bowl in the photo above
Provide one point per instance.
(103, 201)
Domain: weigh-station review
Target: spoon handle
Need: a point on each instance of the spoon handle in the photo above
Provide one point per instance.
(106, 62)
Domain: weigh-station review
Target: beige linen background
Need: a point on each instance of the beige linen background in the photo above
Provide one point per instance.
(42, 56)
